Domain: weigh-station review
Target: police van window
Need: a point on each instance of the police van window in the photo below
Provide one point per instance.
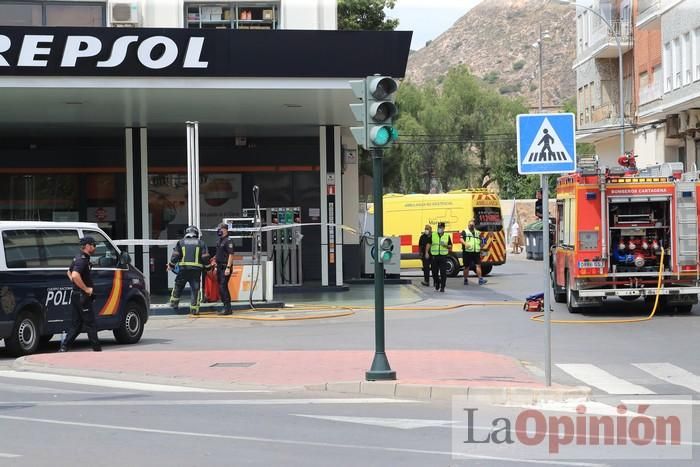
(488, 219)
(105, 255)
(39, 248)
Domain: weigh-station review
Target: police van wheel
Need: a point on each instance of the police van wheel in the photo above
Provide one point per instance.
(452, 267)
(486, 269)
(131, 327)
(25, 336)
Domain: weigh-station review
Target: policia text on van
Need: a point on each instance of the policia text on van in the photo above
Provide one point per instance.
(35, 293)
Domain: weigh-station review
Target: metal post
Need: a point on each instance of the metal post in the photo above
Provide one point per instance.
(545, 260)
(193, 173)
(380, 369)
(545, 251)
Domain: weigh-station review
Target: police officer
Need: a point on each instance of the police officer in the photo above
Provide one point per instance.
(82, 297)
(424, 249)
(440, 245)
(191, 256)
(471, 252)
(224, 265)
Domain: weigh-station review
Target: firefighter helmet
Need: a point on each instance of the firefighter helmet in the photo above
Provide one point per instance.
(192, 232)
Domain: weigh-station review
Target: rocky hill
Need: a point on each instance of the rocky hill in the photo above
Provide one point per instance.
(495, 40)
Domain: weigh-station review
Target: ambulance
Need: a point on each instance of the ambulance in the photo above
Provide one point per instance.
(405, 216)
(35, 292)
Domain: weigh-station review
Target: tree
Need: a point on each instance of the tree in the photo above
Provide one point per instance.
(365, 15)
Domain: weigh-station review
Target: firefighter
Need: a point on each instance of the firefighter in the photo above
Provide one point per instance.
(471, 252)
(190, 256)
(440, 245)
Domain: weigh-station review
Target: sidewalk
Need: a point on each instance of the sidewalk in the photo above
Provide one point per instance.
(423, 374)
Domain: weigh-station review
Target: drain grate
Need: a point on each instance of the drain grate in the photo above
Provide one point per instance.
(233, 365)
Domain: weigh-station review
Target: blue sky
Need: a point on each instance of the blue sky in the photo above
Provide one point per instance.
(428, 18)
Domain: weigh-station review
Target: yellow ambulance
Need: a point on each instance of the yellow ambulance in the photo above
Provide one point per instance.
(405, 216)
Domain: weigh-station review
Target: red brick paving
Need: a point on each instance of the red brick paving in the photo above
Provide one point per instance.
(298, 367)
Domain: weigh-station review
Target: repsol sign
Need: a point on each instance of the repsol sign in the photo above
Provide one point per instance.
(50, 51)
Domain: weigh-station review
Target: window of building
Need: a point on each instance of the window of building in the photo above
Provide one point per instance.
(668, 68)
(232, 15)
(677, 60)
(687, 60)
(696, 53)
(52, 14)
(643, 80)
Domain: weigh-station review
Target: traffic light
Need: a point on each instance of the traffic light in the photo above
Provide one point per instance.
(376, 112)
(385, 251)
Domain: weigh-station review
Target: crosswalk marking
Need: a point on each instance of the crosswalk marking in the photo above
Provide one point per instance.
(671, 374)
(601, 379)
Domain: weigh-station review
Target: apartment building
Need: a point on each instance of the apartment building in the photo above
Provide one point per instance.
(96, 96)
(660, 44)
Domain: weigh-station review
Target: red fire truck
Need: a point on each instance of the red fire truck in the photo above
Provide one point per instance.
(611, 227)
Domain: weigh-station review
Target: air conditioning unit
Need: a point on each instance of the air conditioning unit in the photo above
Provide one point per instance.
(672, 126)
(124, 13)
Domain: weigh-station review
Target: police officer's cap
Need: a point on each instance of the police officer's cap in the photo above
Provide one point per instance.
(87, 241)
(441, 224)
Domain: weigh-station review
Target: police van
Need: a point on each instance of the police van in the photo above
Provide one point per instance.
(35, 292)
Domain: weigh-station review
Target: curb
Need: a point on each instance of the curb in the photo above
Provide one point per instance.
(501, 395)
(20, 364)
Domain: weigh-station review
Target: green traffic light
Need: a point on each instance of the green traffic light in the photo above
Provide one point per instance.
(381, 135)
(386, 256)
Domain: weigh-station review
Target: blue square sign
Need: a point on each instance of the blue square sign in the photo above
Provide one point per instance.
(546, 143)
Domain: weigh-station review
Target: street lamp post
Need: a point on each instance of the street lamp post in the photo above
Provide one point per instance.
(619, 51)
(544, 185)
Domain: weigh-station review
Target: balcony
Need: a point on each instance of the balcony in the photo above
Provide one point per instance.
(649, 15)
(603, 42)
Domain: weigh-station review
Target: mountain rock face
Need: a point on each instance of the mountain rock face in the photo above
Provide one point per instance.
(495, 41)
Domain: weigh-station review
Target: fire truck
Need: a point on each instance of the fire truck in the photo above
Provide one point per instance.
(618, 228)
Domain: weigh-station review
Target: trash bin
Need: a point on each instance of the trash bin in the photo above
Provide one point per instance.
(533, 241)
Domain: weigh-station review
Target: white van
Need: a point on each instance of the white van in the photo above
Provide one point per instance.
(35, 292)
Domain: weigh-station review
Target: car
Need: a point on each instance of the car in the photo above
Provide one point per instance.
(35, 292)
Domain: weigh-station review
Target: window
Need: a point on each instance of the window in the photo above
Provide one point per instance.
(40, 248)
(20, 14)
(52, 14)
(105, 256)
(696, 53)
(230, 15)
(687, 60)
(676, 63)
(668, 68)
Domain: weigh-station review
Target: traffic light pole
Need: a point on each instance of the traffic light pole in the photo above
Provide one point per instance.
(380, 369)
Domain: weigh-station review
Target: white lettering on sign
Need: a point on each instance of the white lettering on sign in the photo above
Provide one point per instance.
(74, 49)
(119, 50)
(58, 296)
(35, 49)
(637, 191)
(5, 44)
(30, 49)
(166, 59)
(194, 54)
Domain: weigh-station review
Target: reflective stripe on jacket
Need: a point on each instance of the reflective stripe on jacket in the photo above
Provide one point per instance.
(436, 249)
(190, 253)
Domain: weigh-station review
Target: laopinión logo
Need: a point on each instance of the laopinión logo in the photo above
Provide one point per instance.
(635, 429)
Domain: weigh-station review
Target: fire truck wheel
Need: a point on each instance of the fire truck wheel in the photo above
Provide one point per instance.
(452, 266)
(559, 294)
(570, 300)
(629, 298)
(486, 269)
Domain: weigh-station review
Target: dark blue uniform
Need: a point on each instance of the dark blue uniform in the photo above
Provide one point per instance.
(81, 302)
(224, 248)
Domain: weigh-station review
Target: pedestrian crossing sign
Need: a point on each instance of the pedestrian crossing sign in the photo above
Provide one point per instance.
(546, 143)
